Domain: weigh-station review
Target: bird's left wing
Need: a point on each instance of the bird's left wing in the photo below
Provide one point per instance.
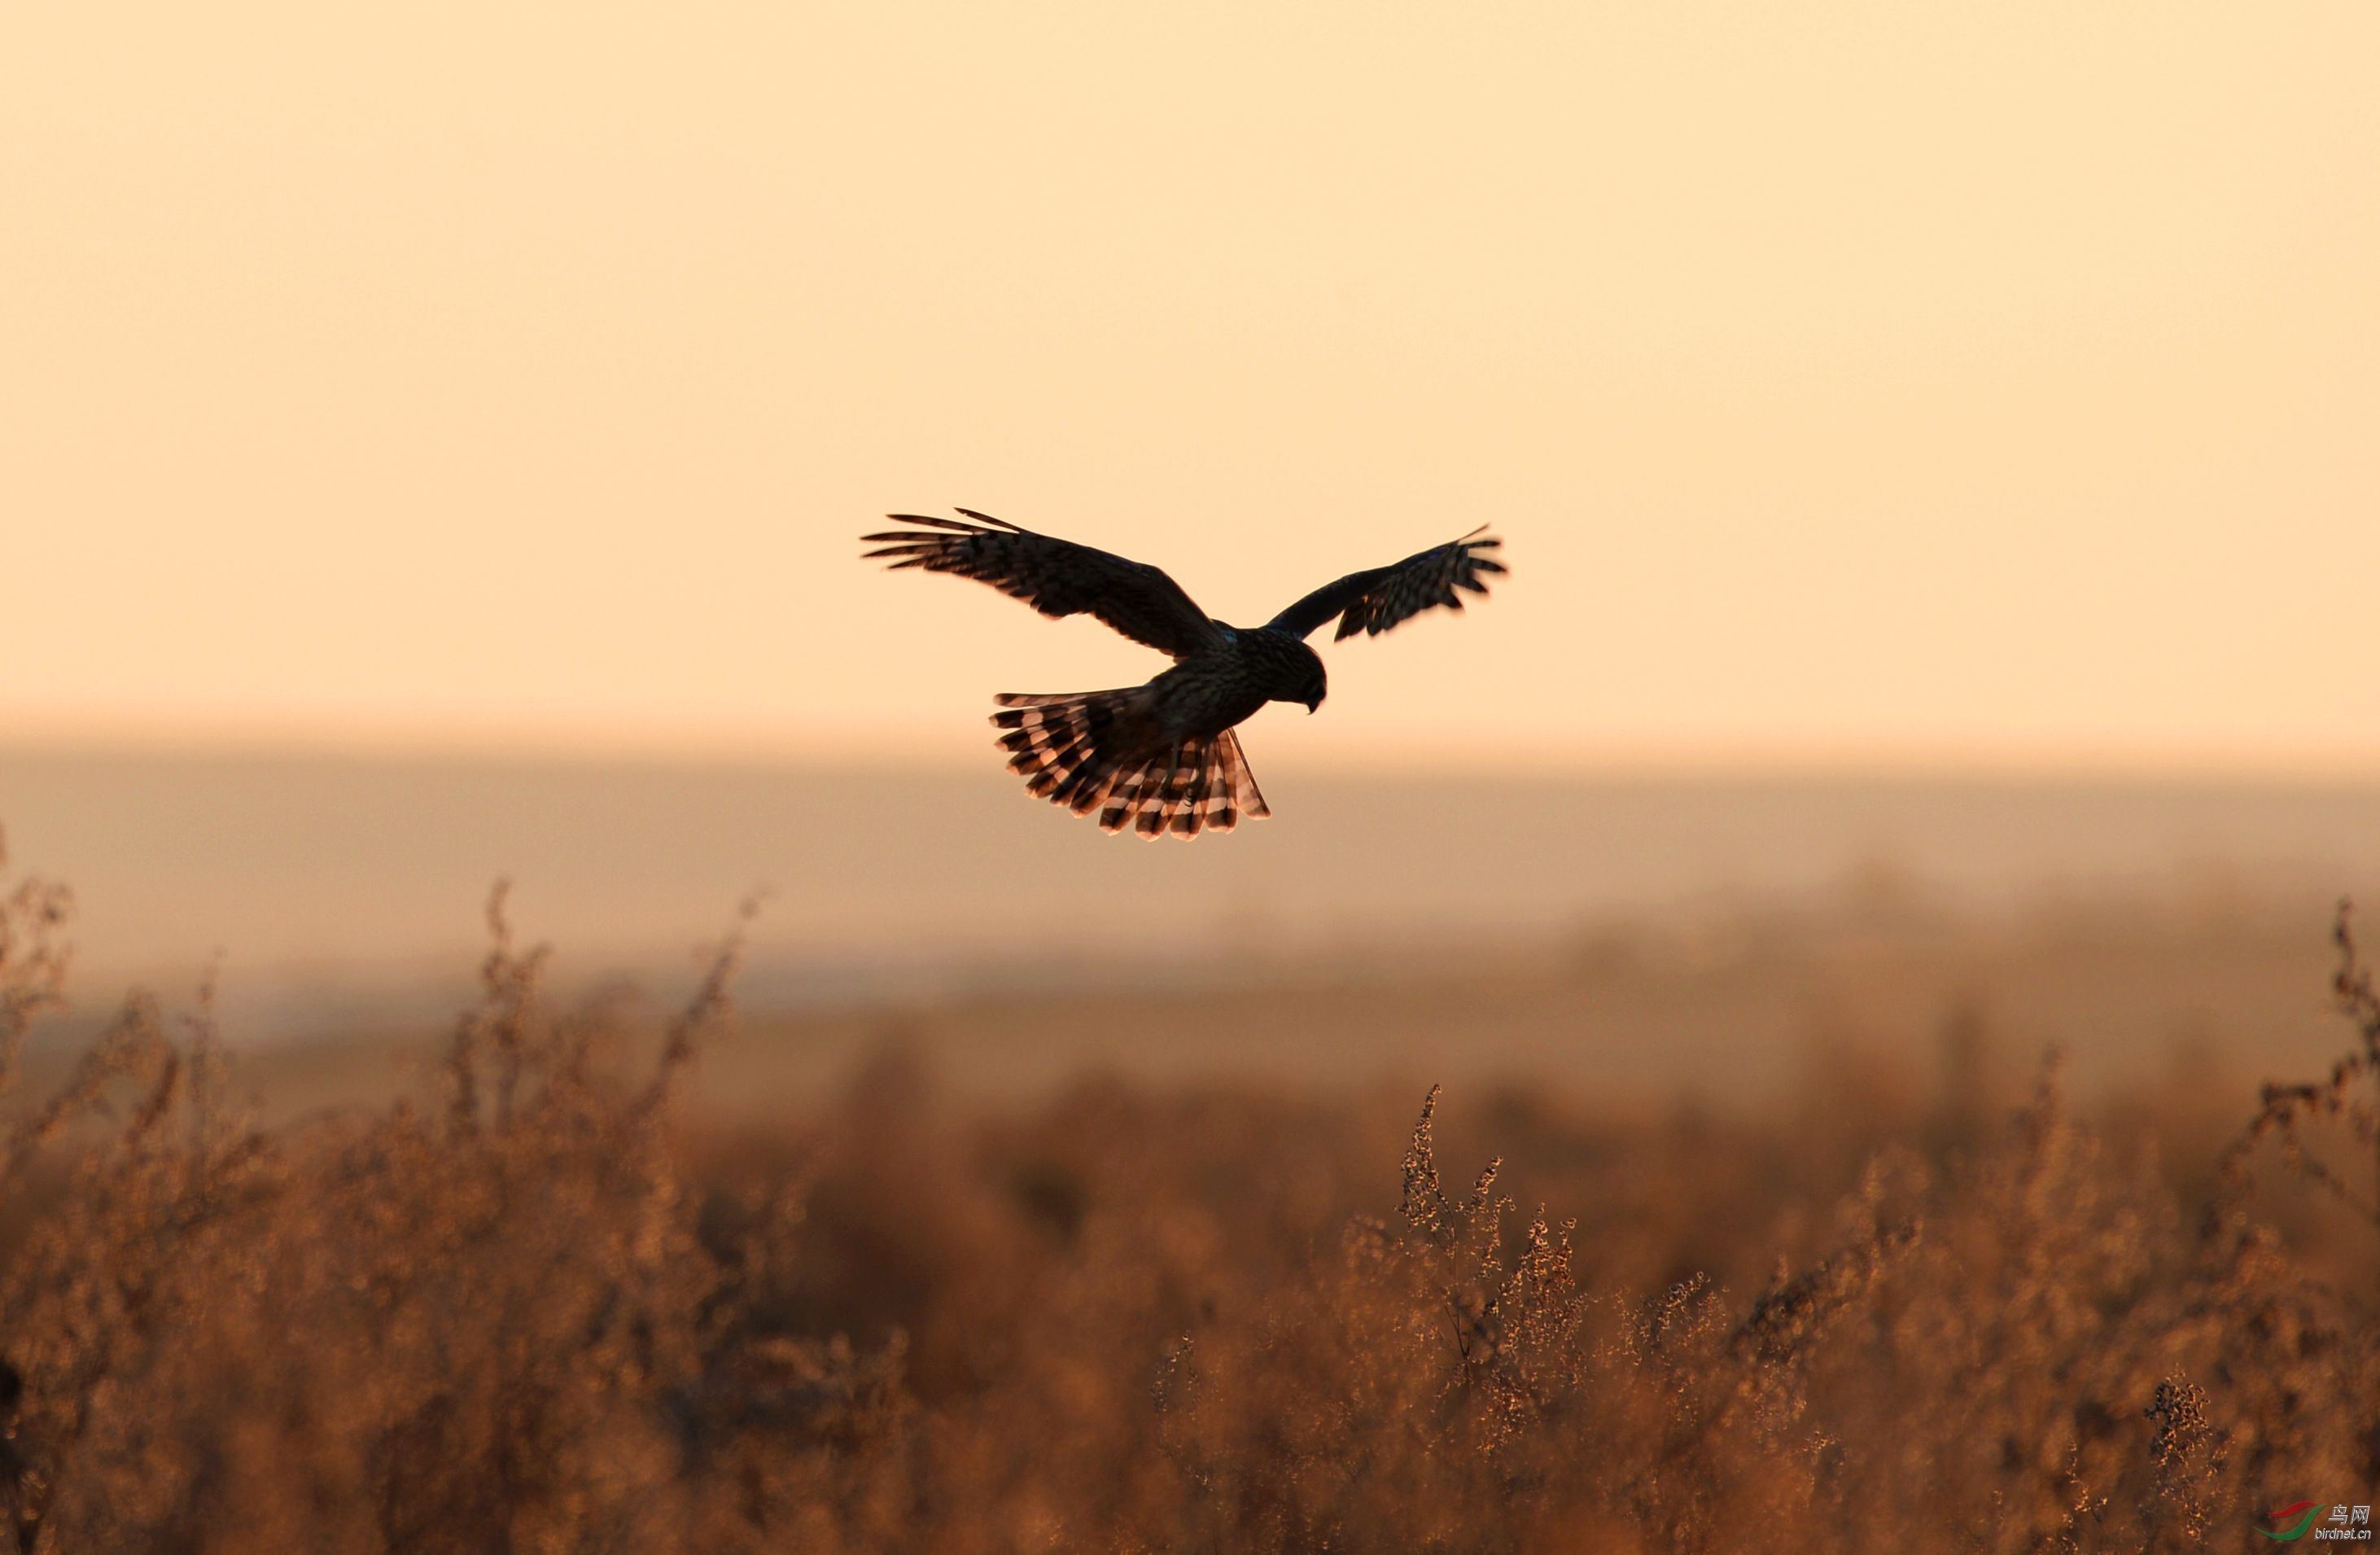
(1373, 602)
(1055, 577)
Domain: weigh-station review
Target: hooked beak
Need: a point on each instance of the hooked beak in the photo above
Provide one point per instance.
(1313, 707)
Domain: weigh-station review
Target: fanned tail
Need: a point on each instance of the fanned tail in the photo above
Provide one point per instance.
(1079, 750)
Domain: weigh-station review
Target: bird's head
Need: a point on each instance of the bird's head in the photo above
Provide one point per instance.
(1302, 679)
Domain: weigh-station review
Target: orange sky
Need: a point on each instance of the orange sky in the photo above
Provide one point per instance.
(1855, 383)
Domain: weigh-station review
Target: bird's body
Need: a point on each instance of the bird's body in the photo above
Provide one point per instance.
(1210, 691)
(1161, 757)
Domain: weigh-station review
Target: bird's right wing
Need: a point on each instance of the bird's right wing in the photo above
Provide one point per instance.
(1375, 601)
(1055, 577)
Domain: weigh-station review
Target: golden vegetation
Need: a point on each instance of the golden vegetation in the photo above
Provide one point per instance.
(551, 1312)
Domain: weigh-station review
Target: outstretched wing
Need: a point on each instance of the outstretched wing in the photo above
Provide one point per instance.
(1373, 602)
(1055, 577)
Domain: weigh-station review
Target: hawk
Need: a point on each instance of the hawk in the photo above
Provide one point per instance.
(1161, 757)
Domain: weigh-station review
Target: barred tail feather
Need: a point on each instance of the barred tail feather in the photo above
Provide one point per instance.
(1086, 749)
(1197, 784)
(1246, 794)
(1068, 748)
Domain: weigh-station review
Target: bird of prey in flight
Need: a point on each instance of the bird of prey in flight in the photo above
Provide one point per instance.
(1161, 757)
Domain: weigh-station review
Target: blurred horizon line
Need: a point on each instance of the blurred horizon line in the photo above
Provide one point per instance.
(295, 865)
(921, 749)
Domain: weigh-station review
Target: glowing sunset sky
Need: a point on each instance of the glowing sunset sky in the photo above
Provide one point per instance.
(1878, 382)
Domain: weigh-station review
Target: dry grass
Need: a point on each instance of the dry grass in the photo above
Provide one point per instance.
(551, 1312)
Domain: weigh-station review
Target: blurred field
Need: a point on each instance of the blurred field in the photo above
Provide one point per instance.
(1730, 1012)
(1741, 1227)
